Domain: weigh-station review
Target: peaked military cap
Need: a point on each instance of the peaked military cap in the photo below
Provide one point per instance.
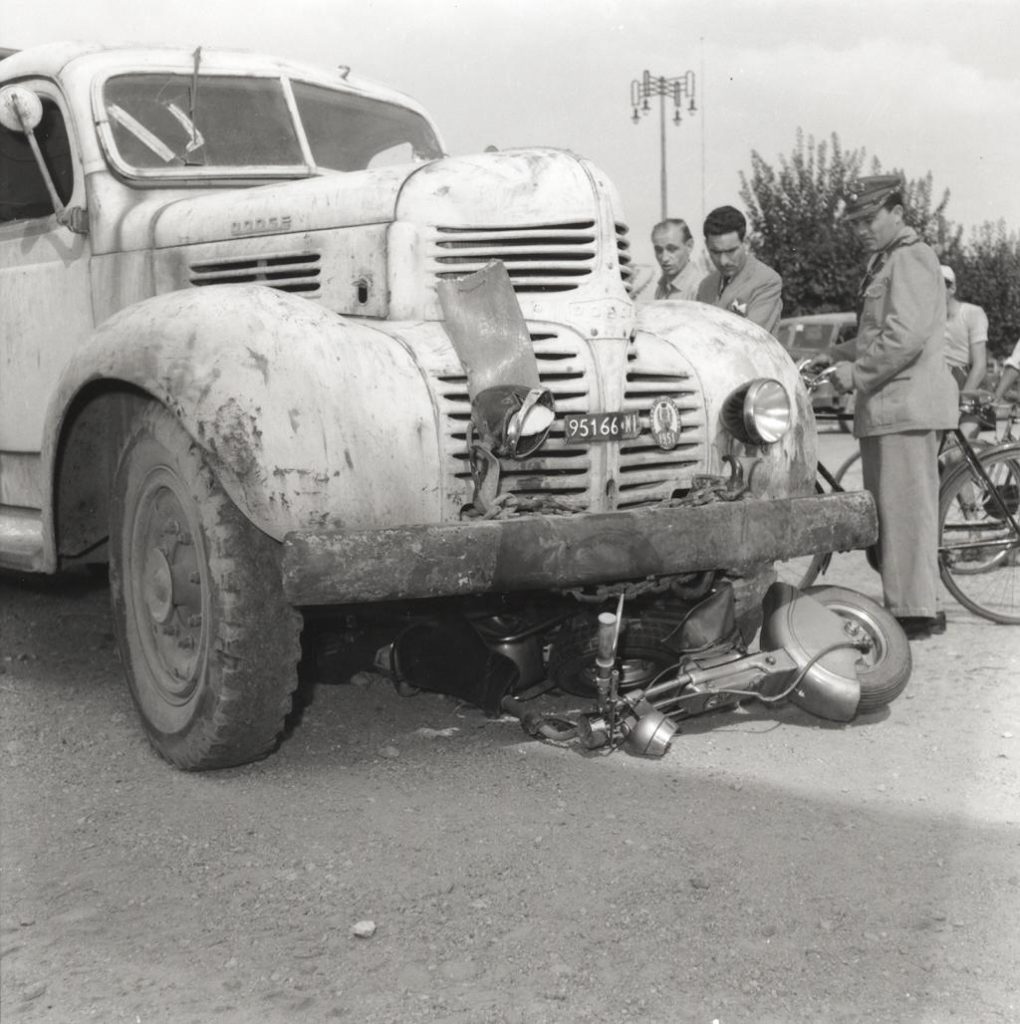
(865, 196)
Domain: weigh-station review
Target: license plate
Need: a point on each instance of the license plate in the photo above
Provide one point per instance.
(601, 426)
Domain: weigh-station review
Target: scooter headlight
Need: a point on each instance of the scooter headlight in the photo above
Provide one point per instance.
(512, 420)
(528, 428)
(759, 412)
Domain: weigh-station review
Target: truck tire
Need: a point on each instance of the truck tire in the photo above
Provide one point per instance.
(209, 644)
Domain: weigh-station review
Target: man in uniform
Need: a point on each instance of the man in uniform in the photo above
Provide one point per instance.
(905, 396)
(740, 282)
(673, 245)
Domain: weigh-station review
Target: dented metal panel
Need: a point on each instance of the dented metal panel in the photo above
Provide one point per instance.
(310, 420)
(725, 350)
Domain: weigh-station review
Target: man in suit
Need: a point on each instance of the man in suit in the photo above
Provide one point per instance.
(905, 396)
(740, 283)
(673, 245)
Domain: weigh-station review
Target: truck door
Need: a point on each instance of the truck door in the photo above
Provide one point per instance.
(45, 313)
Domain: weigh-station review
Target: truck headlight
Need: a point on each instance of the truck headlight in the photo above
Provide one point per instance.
(759, 412)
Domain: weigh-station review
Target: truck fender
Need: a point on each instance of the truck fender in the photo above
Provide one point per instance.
(306, 417)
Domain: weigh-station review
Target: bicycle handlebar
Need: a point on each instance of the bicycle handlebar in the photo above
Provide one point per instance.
(812, 381)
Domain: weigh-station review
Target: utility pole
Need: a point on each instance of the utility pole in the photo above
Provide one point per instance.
(677, 90)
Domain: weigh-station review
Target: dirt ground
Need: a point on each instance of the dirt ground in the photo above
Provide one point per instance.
(772, 868)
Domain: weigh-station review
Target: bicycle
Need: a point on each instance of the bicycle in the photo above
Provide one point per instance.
(979, 526)
(979, 504)
(974, 409)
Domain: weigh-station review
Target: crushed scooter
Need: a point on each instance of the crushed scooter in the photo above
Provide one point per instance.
(830, 651)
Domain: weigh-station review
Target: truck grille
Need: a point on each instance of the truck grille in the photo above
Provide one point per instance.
(289, 272)
(540, 258)
(640, 471)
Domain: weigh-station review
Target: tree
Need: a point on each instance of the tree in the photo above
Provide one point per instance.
(794, 215)
(796, 225)
(794, 221)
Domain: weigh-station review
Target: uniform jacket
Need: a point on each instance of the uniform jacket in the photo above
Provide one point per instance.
(900, 372)
(683, 286)
(755, 292)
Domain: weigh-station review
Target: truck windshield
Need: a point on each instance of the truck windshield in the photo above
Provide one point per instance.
(244, 124)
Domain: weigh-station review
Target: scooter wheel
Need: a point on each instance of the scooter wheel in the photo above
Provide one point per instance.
(642, 653)
(884, 670)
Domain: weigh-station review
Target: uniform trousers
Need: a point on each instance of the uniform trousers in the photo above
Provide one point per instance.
(901, 471)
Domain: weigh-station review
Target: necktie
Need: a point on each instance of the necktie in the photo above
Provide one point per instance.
(875, 265)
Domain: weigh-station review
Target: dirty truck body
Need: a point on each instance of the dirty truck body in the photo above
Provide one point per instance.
(227, 372)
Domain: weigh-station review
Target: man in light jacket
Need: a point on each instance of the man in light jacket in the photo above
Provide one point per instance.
(905, 396)
(673, 245)
(740, 282)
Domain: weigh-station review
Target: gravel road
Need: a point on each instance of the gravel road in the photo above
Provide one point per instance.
(410, 860)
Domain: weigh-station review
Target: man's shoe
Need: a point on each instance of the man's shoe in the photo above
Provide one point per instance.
(938, 624)
(917, 627)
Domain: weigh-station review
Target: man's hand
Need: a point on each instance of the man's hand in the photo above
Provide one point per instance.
(979, 396)
(843, 377)
(818, 363)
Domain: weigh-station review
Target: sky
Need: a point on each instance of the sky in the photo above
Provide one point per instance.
(923, 85)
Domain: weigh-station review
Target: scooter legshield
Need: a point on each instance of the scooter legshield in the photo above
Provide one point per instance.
(799, 625)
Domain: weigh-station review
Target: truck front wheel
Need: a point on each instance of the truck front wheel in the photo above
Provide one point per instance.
(209, 644)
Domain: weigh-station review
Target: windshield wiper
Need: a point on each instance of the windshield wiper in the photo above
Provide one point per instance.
(197, 142)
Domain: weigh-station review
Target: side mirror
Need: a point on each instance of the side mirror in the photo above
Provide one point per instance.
(21, 111)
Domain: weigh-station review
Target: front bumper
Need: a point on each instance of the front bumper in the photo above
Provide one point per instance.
(551, 552)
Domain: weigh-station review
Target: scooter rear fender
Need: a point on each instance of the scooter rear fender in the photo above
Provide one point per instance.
(817, 642)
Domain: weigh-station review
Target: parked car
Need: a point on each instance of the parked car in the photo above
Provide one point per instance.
(806, 337)
(268, 350)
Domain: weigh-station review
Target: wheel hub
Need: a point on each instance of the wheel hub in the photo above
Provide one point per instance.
(169, 595)
(159, 586)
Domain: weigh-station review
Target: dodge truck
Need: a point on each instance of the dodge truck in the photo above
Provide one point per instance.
(270, 350)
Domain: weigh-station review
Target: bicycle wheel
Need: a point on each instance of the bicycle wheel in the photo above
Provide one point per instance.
(979, 543)
(846, 466)
(802, 572)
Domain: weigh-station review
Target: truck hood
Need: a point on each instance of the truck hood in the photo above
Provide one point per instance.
(514, 186)
(453, 191)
